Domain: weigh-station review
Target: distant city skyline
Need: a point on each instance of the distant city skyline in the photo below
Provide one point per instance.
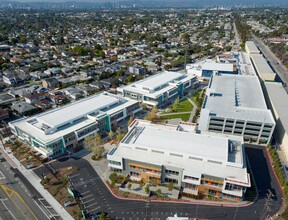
(196, 2)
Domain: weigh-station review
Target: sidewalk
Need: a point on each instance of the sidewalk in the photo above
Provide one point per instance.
(35, 181)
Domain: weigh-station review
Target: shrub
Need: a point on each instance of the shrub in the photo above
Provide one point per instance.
(147, 189)
(113, 177)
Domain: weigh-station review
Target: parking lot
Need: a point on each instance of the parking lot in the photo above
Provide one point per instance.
(86, 189)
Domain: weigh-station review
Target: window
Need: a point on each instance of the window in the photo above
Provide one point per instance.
(176, 155)
(232, 187)
(190, 178)
(172, 172)
(141, 148)
(190, 186)
(213, 161)
(134, 174)
(115, 162)
(196, 158)
(157, 151)
(169, 180)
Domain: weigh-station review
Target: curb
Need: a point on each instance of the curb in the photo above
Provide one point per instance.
(176, 201)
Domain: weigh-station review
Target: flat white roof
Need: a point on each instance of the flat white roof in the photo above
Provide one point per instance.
(244, 65)
(279, 99)
(71, 112)
(213, 66)
(77, 109)
(164, 145)
(262, 66)
(237, 96)
(158, 83)
(252, 47)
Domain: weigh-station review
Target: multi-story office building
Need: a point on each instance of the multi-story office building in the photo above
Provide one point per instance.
(54, 132)
(212, 164)
(159, 89)
(234, 104)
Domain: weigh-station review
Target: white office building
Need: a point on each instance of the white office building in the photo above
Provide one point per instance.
(210, 164)
(235, 104)
(159, 89)
(55, 132)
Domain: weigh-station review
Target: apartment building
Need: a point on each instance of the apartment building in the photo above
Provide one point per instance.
(235, 104)
(211, 164)
(63, 129)
(159, 89)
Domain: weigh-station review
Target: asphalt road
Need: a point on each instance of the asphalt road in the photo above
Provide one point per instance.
(19, 199)
(274, 62)
(98, 198)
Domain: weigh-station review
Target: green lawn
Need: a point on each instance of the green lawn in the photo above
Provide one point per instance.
(183, 106)
(184, 117)
(194, 97)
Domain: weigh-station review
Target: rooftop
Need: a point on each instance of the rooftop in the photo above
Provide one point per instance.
(207, 153)
(261, 65)
(252, 47)
(158, 82)
(240, 97)
(279, 98)
(53, 124)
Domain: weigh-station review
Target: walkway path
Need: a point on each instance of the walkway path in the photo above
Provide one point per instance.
(35, 181)
(193, 111)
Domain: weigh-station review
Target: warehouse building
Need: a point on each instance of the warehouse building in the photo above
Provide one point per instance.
(159, 89)
(234, 104)
(251, 48)
(63, 129)
(210, 164)
(262, 68)
(277, 99)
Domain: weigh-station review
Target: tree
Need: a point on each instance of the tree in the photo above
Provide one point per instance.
(129, 185)
(154, 182)
(175, 104)
(147, 189)
(130, 120)
(152, 115)
(111, 134)
(101, 216)
(170, 186)
(94, 143)
(159, 192)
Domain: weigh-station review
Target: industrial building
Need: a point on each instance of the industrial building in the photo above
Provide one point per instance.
(63, 129)
(277, 100)
(262, 68)
(234, 104)
(251, 48)
(210, 164)
(159, 89)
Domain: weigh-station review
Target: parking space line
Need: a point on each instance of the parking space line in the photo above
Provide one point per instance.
(94, 209)
(2, 176)
(87, 201)
(86, 197)
(90, 205)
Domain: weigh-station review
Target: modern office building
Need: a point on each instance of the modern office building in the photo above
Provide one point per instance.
(210, 164)
(159, 89)
(251, 48)
(208, 67)
(277, 100)
(262, 68)
(235, 104)
(54, 132)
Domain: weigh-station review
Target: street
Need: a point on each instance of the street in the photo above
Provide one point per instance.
(19, 200)
(275, 63)
(96, 196)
